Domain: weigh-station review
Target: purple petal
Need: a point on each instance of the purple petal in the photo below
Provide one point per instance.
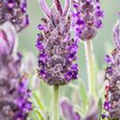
(116, 34)
(45, 8)
(24, 6)
(104, 116)
(107, 105)
(108, 59)
(66, 8)
(67, 111)
(55, 15)
(58, 5)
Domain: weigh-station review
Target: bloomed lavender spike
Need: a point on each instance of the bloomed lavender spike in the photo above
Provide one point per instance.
(14, 94)
(57, 48)
(87, 18)
(112, 103)
(15, 12)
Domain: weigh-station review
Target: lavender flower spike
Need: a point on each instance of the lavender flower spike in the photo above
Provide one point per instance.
(15, 12)
(87, 18)
(56, 46)
(112, 103)
(14, 94)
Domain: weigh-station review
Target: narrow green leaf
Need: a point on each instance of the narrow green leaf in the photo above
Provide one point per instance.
(39, 114)
(83, 94)
(100, 107)
(37, 99)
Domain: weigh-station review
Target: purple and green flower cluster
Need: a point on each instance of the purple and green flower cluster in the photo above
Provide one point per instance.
(112, 103)
(87, 18)
(14, 93)
(56, 60)
(56, 46)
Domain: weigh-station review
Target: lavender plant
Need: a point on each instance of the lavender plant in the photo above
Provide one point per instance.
(112, 103)
(87, 19)
(15, 12)
(57, 48)
(14, 93)
(56, 64)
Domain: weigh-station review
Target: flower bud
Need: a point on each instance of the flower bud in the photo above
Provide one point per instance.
(87, 18)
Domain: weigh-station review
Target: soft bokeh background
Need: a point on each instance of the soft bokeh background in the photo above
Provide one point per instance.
(103, 43)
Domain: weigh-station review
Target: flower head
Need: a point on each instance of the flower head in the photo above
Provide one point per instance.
(112, 103)
(87, 18)
(14, 94)
(57, 48)
(15, 12)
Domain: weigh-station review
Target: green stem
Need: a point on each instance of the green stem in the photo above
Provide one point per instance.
(90, 66)
(56, 103)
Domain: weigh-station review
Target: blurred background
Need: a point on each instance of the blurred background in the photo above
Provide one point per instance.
(103, 43)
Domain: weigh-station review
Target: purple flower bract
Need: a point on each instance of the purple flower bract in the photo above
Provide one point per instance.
(112, 103)
(57, 49)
